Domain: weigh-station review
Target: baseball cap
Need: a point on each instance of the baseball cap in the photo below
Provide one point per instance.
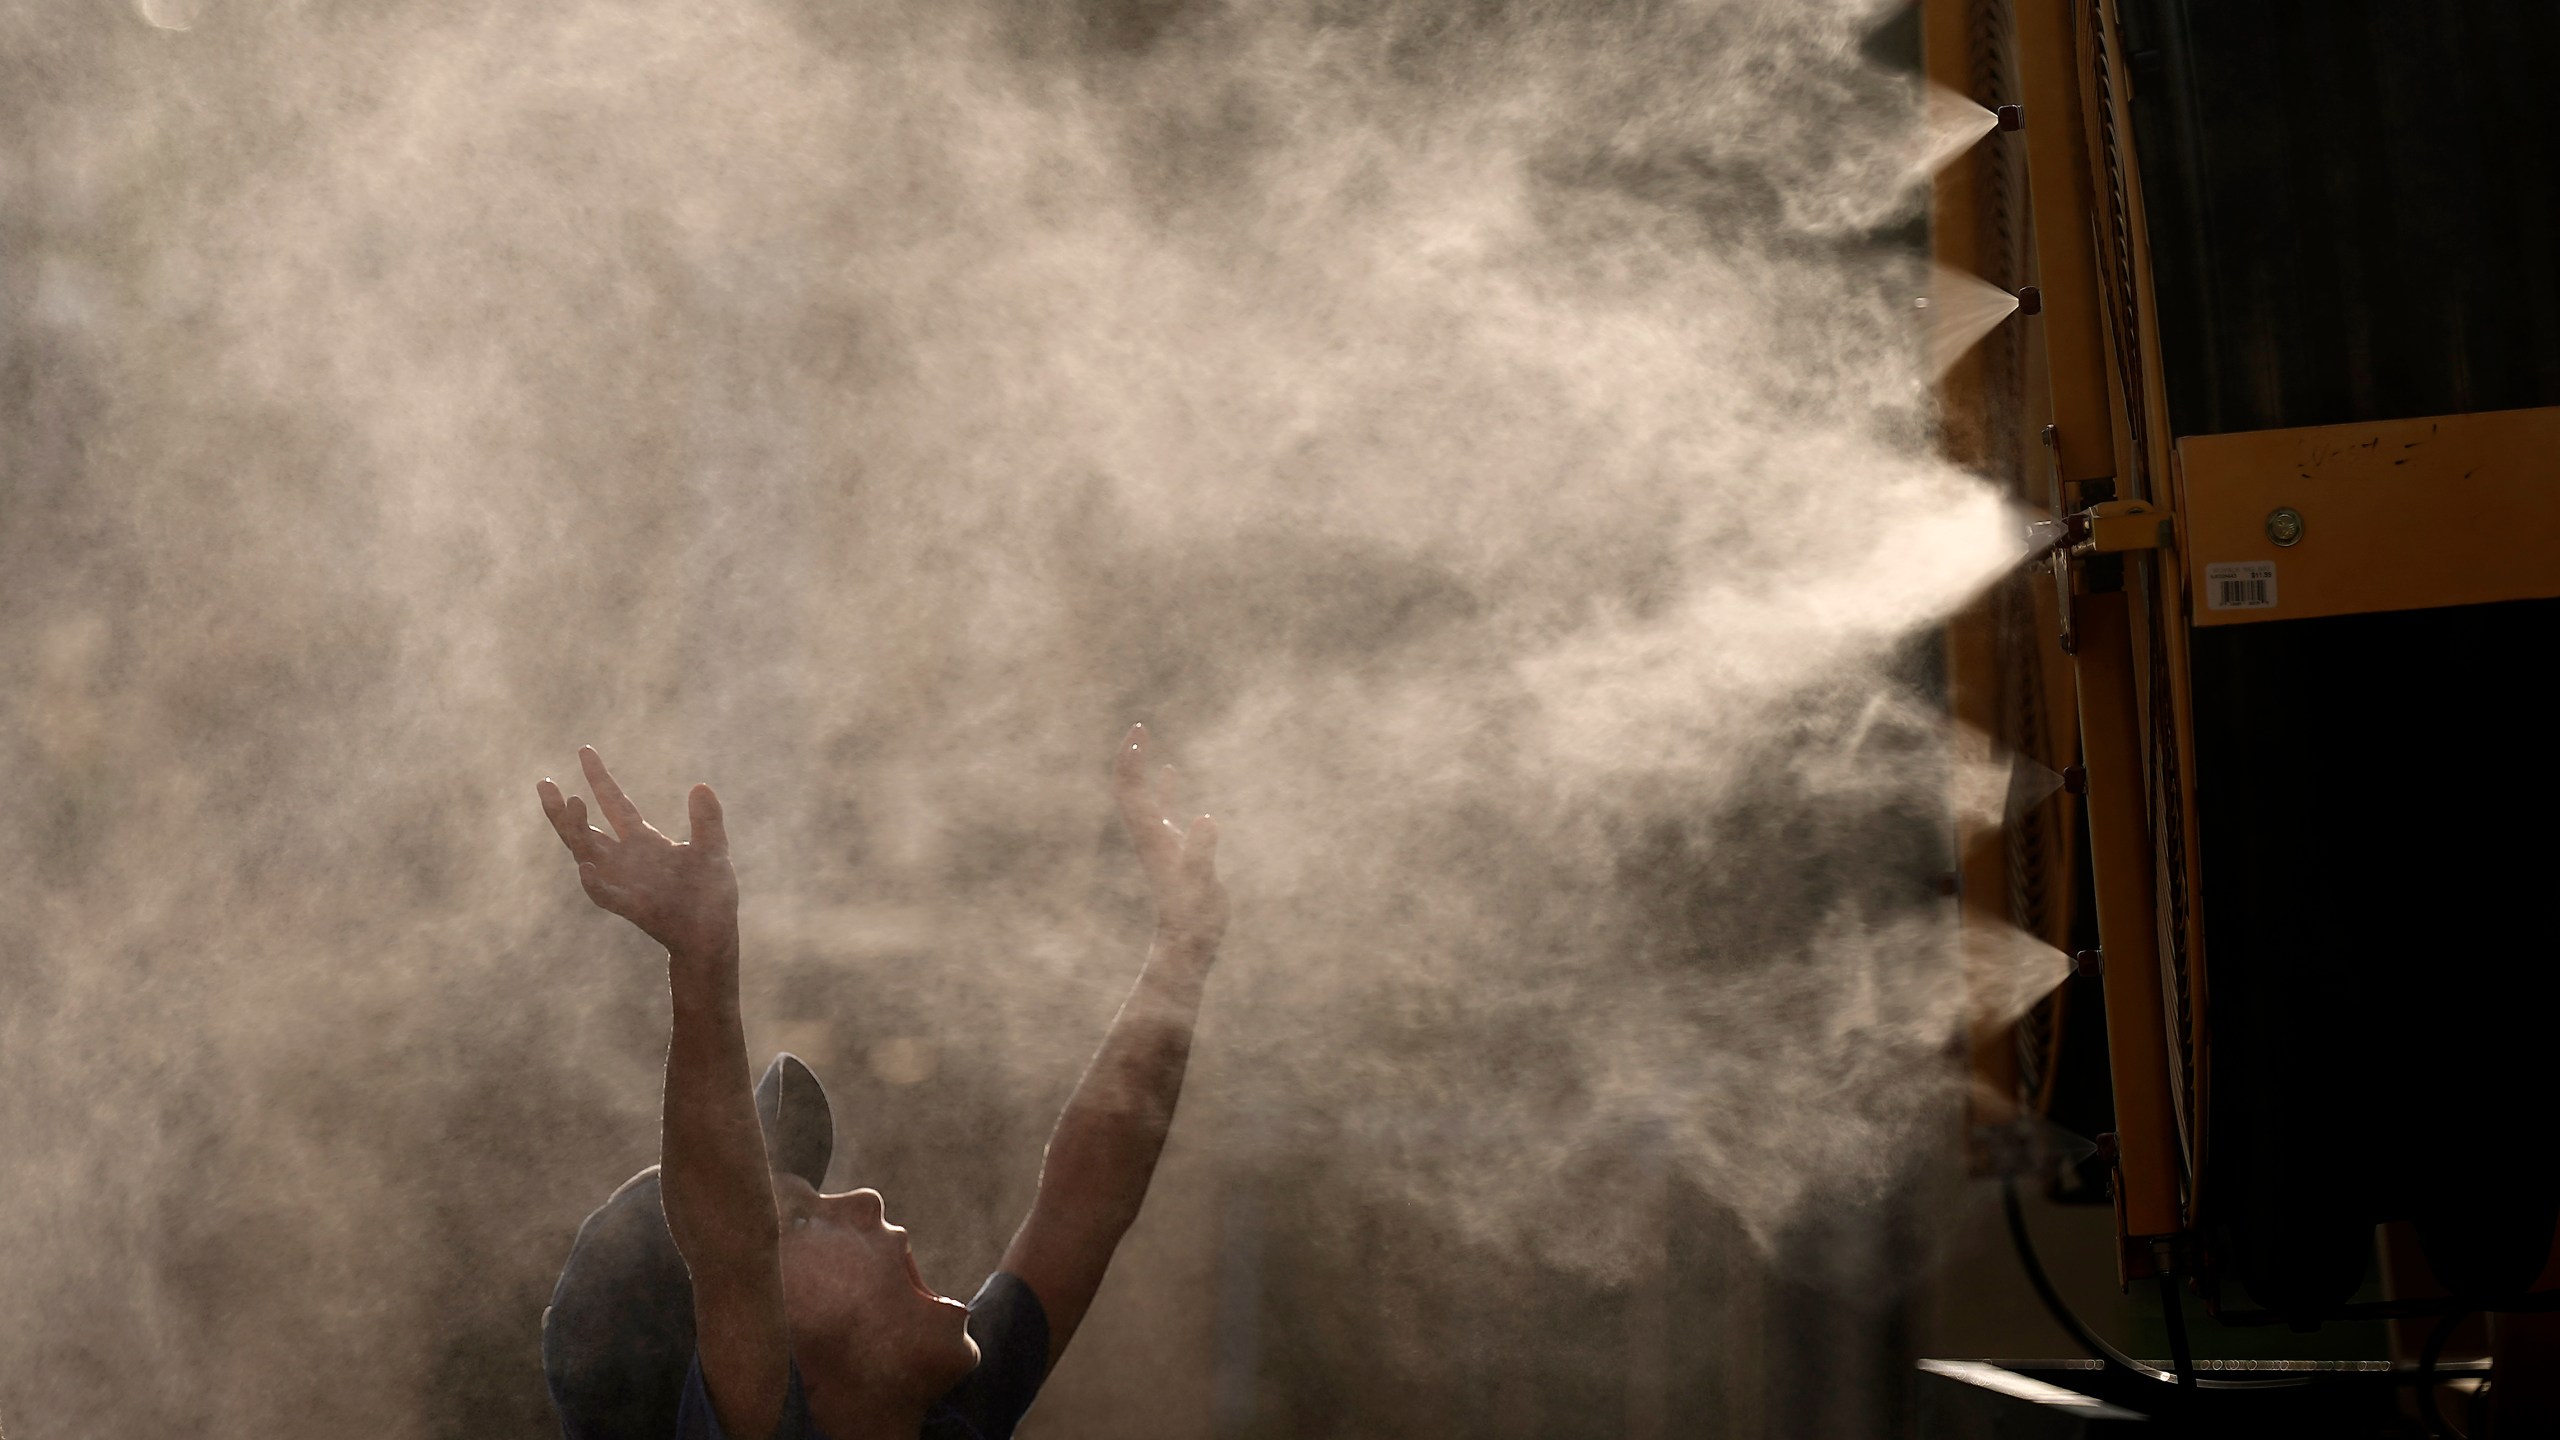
(617, 1338)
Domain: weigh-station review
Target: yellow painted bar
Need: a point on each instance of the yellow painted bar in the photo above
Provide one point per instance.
(2060, 196)
(2121, 863)
(2168, 567)
(2395, 515)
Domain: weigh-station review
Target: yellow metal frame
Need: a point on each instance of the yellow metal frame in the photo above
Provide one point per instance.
(2400, 515)
(1984, 646)
(2067, 86)
(2079, 344)
(2087, 429)
(2173, 793)
(2120, 859)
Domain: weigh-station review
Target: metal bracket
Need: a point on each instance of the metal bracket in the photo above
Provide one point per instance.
(2058, 547)
(2108, 527)
(2116, 527)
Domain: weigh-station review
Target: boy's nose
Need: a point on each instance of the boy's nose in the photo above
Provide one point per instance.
(864, 1207)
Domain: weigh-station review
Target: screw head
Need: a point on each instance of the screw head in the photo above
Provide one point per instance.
(2284, 525)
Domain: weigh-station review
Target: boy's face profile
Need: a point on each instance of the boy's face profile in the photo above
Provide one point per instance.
(850, 1288)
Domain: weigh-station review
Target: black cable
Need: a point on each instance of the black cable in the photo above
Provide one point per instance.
(2437, 1425)
(2174, 1315)
(2089, 1339)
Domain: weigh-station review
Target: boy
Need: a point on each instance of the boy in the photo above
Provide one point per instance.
(758, 1307)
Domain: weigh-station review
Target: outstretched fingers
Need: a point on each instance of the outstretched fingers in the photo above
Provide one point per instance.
(1129, 772)
(568, 817)
(682, 895)
(710, 832)
(1159, 843)
(617, 807)
(1200, 849)
(1193, 908)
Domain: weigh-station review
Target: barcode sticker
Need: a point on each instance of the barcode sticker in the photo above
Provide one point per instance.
(2250, 585)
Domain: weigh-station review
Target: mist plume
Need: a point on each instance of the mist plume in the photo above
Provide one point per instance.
(1488, 444)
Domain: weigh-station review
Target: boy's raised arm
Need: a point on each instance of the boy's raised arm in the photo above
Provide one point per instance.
(712, 1169)
(1103, 1153)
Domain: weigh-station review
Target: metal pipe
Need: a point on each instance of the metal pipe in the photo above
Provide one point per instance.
(2120, 857)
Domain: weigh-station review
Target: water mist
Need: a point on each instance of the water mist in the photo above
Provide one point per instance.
(1489, 445)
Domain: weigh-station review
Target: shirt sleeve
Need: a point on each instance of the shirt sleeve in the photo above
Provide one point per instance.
(695, 1419)
(1012, 1332)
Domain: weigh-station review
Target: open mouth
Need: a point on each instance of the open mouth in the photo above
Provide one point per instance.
(915, 1277)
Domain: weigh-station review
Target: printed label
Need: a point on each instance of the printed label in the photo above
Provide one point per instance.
(2249, 585)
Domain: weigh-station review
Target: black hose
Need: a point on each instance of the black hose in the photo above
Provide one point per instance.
(2174, 1315)
(2091, 1340)
(2437, 1425)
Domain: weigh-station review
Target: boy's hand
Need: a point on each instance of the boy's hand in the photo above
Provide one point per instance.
(711, 1160)
(1094, 1175)
(1181, 863)
(685, 896)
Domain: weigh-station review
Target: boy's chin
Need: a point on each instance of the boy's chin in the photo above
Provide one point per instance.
(964, 1354)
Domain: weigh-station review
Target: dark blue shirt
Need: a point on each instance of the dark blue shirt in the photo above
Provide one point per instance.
(1012, 1332)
